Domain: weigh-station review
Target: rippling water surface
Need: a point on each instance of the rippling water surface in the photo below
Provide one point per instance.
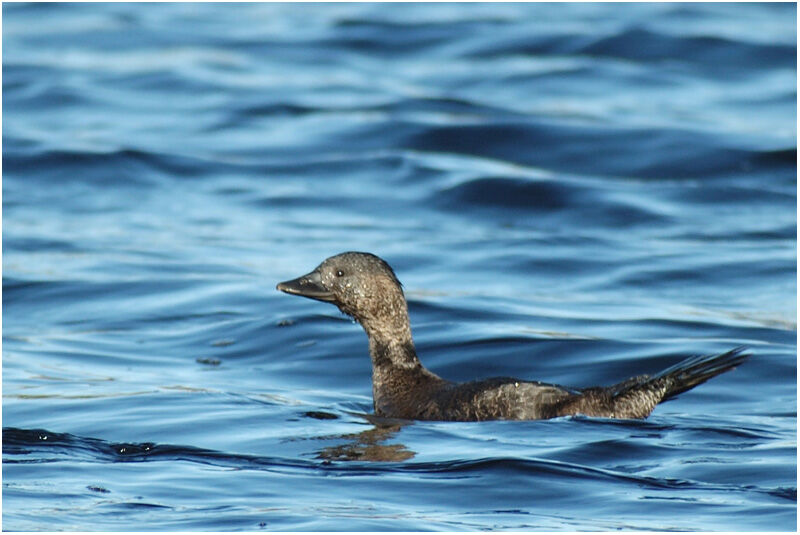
(572, 193)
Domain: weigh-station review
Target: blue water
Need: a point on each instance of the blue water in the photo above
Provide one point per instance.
(569, 193)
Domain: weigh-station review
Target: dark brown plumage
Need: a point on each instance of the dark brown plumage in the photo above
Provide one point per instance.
(365, 287)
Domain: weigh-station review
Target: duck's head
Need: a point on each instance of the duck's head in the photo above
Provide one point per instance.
(361, 285)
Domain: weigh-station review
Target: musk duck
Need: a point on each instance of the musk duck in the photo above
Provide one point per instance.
(366, 288)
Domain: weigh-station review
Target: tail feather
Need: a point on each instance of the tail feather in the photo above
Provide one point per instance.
(638, 396)
(697, 370)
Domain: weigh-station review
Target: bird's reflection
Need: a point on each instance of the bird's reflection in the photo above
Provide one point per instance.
(369, 445)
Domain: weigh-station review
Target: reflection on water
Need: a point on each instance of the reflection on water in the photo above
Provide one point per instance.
(369, 445)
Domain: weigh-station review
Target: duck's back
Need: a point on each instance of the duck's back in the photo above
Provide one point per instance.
(499, 398)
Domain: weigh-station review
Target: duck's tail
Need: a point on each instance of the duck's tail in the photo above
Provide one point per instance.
(638, 396)
(697, 370)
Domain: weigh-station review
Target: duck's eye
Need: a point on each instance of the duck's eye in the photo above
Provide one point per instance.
(340, 273)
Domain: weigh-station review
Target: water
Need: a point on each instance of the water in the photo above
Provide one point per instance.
(570, 193)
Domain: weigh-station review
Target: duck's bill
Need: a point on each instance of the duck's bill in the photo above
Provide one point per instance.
(307, 286)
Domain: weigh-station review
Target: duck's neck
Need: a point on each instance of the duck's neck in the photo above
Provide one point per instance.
(390, 342)
(393, 355)
(400, 383)
(395, 366)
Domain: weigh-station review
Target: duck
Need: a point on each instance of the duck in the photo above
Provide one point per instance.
(364, 287)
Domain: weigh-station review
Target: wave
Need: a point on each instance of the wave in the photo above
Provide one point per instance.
(567, 201)
(665, 153)
(42, 446)
(641, 44)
